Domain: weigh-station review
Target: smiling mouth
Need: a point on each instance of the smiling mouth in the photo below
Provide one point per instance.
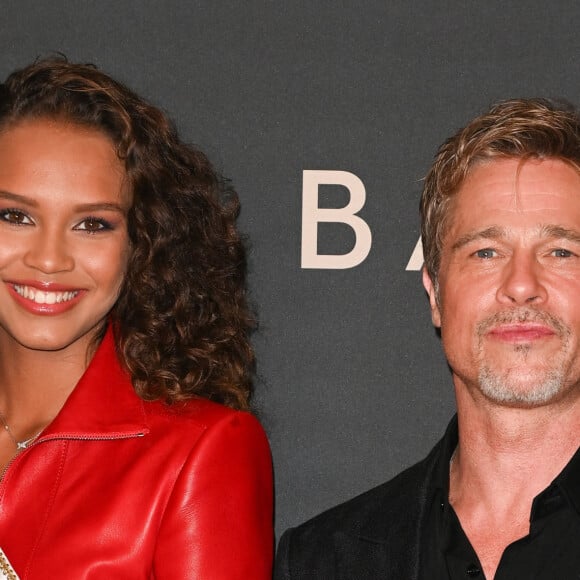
(44, 297)
(521, 333)
(523, 325)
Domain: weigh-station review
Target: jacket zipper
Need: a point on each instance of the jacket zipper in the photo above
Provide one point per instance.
(40, 439)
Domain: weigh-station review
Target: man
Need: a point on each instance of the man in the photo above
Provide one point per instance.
(499, 496)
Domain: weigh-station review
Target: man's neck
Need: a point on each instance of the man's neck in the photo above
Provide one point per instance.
(504, 459)
(505, 449)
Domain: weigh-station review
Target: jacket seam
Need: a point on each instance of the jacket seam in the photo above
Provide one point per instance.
(48, 510)
(192, 452)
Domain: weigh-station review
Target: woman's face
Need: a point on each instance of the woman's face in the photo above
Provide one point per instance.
(64, 198)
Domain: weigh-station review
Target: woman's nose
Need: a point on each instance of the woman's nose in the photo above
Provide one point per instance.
(49, 252)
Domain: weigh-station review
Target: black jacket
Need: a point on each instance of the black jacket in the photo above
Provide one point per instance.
(374, 535)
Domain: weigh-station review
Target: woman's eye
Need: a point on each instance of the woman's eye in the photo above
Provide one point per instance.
(16, 217)
(93, 225)
(486, 253)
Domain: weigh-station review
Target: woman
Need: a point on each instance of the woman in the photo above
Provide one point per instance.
(125, 366)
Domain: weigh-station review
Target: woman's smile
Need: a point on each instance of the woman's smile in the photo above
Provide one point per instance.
(44, 299)
(63, 234)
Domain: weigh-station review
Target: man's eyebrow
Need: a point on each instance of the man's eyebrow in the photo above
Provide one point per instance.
(491, 233)
(552, 231)
(17, 198)
(497, 233)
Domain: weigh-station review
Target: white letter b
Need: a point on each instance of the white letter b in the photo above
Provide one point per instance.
(312, 215)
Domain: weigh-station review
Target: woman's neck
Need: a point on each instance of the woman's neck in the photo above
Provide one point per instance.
(34, 384)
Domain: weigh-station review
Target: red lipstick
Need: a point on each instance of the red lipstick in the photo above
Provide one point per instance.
(44, 298)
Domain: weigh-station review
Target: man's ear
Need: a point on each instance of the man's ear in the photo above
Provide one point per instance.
(433, 298)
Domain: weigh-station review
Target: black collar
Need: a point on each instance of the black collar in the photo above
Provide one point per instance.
(440, 482)
(567, 482)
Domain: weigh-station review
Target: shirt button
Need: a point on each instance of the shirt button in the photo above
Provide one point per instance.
(473, 571)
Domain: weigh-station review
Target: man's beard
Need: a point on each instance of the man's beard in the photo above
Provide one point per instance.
(517, 388)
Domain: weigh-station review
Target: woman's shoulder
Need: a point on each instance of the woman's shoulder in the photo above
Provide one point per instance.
(194, 433)
(201, 416)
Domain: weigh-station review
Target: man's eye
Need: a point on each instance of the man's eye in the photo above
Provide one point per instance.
(561, 253)
(14, 216)
(486, 253)
(93, 225)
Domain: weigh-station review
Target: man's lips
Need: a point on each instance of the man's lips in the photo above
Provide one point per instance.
(521, 332)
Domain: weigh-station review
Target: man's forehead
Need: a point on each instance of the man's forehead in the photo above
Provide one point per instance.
(505, 182)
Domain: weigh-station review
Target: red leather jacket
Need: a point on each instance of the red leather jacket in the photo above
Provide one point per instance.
(119, 488)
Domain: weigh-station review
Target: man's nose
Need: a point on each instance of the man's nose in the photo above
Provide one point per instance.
(522, 280)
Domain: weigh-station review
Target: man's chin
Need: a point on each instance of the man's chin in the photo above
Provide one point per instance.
(521, 389)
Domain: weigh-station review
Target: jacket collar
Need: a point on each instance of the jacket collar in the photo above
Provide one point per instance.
(379, 549)
(103, 405)
(569, 481)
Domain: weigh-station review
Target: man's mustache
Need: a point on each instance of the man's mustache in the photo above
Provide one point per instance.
(523, 315)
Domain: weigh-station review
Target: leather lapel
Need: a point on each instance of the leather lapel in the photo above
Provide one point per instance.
(103, 404)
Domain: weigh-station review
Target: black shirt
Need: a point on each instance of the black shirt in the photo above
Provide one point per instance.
(551, 551)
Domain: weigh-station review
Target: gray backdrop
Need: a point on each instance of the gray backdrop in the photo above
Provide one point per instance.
(353, 384)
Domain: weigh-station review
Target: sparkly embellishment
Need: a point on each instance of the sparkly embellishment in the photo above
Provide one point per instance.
(20, 445)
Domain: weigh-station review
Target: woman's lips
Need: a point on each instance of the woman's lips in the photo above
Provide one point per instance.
(44, 298)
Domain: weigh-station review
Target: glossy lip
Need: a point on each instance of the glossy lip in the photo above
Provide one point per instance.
(521, 333)
(44, 309)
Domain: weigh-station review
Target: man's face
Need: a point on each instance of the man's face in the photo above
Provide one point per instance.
(509, 282)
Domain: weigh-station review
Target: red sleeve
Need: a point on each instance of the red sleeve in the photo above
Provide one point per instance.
(218, 522)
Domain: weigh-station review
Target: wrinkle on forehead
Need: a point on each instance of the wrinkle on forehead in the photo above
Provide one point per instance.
(525, 162)
(544, 193)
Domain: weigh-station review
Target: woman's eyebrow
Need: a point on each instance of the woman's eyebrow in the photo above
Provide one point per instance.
(83, 207)
(16, 197)
(97, 206)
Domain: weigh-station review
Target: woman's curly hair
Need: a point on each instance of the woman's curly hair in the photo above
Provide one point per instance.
(182, 321)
